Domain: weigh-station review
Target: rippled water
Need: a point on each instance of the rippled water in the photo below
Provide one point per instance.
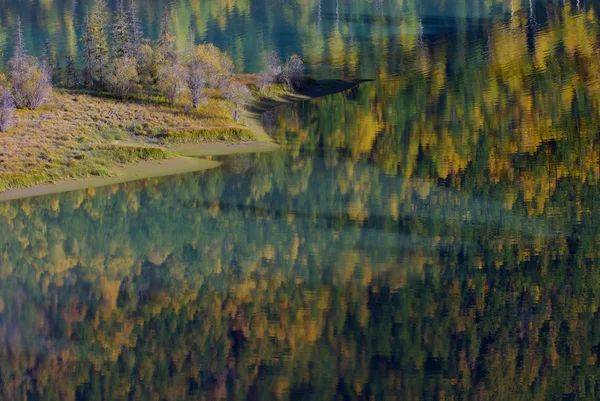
(432, 234)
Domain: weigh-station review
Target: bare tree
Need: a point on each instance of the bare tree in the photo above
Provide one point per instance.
(7, 110)
(239, 95)
(196, 82)
(272, 72)
(171, 81)
(293, 70)
(276, 71)
(30, 83)
(196, 76)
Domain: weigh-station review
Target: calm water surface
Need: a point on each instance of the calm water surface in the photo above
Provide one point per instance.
(433, 234)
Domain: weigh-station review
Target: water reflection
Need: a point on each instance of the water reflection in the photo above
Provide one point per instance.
(430, 235)
(352, 38)
(229, 283)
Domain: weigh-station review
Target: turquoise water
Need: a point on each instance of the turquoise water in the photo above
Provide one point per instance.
(432, 234)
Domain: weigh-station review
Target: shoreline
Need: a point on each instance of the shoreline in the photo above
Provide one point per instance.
(190, 156)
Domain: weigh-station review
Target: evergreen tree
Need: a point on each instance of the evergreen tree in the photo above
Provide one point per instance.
(19, 51)
(98, 29)
(135, 33)
(167, 47)
(120, 31)
(88, 52)
(72, 75)
(48, 59)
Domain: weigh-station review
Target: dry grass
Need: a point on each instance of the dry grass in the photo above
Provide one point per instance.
(79, 134)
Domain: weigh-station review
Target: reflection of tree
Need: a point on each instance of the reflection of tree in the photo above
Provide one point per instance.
(524, 120)
(325, 32)
(432, 235)
(223, 284)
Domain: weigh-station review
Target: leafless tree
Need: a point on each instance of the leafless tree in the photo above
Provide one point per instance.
(195, 74)
(293, 70)
(7, 110)
(30, 83)
(276, 71)
(196, 82)
(239, 95)
(171, 81)
(272, 72)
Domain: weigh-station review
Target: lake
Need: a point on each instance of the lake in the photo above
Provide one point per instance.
(432, 234)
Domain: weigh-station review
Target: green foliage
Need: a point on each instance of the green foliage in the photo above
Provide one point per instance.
(215, 64)
(167, 42)
(204, 135)
(120, 32)
(97, 37)
(133, 154)
(123, 76)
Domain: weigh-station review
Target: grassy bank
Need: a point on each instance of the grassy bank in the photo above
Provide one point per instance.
(80, 134)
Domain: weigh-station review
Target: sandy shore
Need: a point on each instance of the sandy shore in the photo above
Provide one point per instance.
(189, 159)
(128, 172)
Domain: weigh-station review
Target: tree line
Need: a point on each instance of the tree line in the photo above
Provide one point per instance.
(117, 58)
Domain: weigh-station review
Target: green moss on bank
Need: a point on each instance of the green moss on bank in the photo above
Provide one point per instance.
(204, 135)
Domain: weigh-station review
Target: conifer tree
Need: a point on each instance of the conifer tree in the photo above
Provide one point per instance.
(48, 59)
(120, 31)
(167, 47)
(72, 75)
(135, 33)
(98, 29)
(19, 51)
(88, 52)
